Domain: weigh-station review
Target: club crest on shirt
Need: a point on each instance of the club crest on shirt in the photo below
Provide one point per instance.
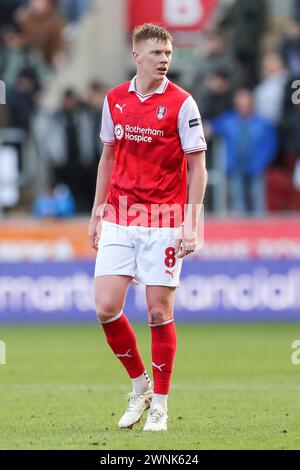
(161, 111)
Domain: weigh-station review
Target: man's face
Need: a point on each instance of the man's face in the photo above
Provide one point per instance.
(96, 97)
(41, 6)
(153, 58)
(272, 65)
(69, 102)
(243, 102)
(218, 84)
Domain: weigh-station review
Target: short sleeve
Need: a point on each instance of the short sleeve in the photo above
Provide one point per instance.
(107, 134)
(190, 127)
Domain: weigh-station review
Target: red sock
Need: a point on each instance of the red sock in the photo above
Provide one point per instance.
(164, 344)
(122, 340)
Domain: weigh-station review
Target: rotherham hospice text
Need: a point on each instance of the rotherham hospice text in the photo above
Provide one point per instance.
(136, 133)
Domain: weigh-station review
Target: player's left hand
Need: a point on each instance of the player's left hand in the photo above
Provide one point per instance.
(186, 243)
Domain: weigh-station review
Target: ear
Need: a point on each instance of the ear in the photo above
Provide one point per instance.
(136, 56)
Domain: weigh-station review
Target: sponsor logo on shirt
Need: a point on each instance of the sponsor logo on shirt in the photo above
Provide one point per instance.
(161, 111)
(119, 131)
(137, 133)
(120, 107)
(194, 122)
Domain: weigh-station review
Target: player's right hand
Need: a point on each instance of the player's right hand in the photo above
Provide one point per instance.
(94, 231)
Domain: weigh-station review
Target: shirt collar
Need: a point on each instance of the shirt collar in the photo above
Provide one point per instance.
(160, 90)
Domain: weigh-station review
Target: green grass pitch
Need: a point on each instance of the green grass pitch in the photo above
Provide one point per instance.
(234, 387)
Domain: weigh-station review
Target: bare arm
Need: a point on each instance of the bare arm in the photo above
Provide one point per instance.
(198, 180)
(102, 190)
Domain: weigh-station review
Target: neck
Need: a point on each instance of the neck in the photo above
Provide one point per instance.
(145, 85)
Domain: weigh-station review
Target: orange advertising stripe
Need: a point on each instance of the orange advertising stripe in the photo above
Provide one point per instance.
(47, 239)
(67, 240)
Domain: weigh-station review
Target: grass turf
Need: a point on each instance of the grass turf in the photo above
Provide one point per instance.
(234, 387)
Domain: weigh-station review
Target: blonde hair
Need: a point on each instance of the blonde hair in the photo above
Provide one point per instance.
(146, 31)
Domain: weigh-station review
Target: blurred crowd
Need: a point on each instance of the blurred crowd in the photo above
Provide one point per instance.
(67, 140)
(248, 99)
(243, 88)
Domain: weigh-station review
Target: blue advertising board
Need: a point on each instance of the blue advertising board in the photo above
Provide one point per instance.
(210, 291)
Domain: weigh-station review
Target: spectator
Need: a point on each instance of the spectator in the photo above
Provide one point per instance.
(7, 11)
(21, 100)
(291, 130)
(94, 102)
(16, 58)
(216, 59)
(68, 139)
(216, 54)
(250, 146)
(41, 28)
(290, 48)
(269, 94)
(296, 10)
(93, 107)
(74, 10)
(284, 181)
(216, 99)
(247, 19)
(56, 202)
(217, 95)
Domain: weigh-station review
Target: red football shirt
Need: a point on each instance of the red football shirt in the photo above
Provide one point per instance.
(151, 135)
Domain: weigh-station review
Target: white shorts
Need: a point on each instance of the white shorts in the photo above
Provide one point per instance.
(145, 253)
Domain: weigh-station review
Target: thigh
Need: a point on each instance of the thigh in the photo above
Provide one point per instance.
(156, 263)
(110, 294)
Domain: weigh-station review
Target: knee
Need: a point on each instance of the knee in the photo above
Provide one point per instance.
(106, 310)
(159, 315)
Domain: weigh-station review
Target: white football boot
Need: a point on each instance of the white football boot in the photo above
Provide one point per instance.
(137, 405)
(157, 419)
